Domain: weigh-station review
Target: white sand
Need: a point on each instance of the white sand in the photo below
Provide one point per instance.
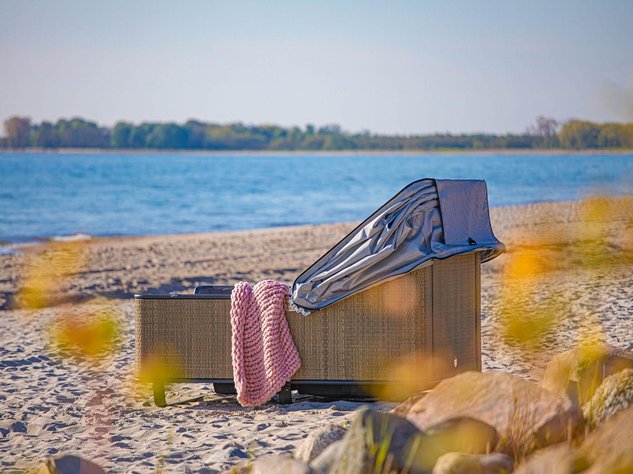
(51, 405)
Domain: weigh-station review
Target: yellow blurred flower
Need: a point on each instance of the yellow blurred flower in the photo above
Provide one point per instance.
(529, 303)
(161, 366)
(406, 375)
(47, 268)
(87, 335)
(529, 310)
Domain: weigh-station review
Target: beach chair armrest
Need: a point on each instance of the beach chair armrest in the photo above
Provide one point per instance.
(213, 290)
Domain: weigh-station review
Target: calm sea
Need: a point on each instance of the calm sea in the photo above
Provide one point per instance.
(53, 195)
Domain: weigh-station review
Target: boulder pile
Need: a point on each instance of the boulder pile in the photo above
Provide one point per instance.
(580, 420)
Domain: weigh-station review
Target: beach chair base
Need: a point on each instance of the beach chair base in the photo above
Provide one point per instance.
(284, 396)
(332, 389)
(224, 388)
(160, 399)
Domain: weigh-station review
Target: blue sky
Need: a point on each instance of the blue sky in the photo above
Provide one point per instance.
(395, 67)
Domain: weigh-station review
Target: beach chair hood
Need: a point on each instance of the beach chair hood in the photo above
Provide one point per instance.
(426, 220)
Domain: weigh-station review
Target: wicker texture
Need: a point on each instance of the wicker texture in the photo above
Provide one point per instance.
(187, 337)
(428, 317)
(455, 294)
(360, 337)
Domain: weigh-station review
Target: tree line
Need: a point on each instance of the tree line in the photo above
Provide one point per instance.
(21, 132)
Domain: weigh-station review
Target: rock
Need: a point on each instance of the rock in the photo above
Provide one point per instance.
(457, 463)
(461, 463)
(613, 395)
(403, 408)
(70, 465)
(380, 442)
(525, 415)
(463, 435)
(605, 450)
(271, 463)
(324, 461)
(559, 459)
(610, 447)
(317, 441)
(496, 463)
(376, 441)
(578, 372)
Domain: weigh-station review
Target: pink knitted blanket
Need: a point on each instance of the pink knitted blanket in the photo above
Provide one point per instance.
(264, 354)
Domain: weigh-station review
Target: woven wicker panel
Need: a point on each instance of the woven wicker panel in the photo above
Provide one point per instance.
(405, 323)
(362, 337)
(456, 325)
(187, 338)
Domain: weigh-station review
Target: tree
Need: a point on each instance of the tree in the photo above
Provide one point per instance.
(195, 134)
(331, 129)
(138, 137)
(546, 131)
(627, 135)
(18, 131)
(611, 135)
(579, 134)
(79, 133)
(121, 134)
(45, 135)
(167, 136)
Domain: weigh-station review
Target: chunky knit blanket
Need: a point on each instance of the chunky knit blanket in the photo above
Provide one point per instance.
(264, 354)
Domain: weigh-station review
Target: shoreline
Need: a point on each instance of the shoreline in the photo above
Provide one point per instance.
(90, 238)
(332, 153)
(119, 267)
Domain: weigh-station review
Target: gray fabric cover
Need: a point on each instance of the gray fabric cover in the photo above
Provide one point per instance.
(428, 219)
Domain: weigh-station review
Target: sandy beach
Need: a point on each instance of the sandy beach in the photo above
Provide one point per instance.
(51, 405)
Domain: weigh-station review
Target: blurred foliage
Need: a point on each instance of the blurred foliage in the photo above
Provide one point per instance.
(530, 305)
(18, 130)
(196, 135)
(579, 134)
(46, 270)
(162, 365)
(89, 335)
(528, 310)
(406, 375)
(90, 331)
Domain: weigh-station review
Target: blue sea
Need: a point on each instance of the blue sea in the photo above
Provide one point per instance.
(51, 195)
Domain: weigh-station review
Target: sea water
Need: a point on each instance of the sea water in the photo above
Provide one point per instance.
(55, 195)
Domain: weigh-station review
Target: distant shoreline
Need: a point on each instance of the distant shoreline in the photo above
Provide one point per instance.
(8, 246)
(447, 151)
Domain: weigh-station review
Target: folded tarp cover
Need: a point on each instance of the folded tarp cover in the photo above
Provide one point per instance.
(428, 219)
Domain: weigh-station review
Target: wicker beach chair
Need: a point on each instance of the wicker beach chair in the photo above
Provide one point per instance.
(399, 336)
